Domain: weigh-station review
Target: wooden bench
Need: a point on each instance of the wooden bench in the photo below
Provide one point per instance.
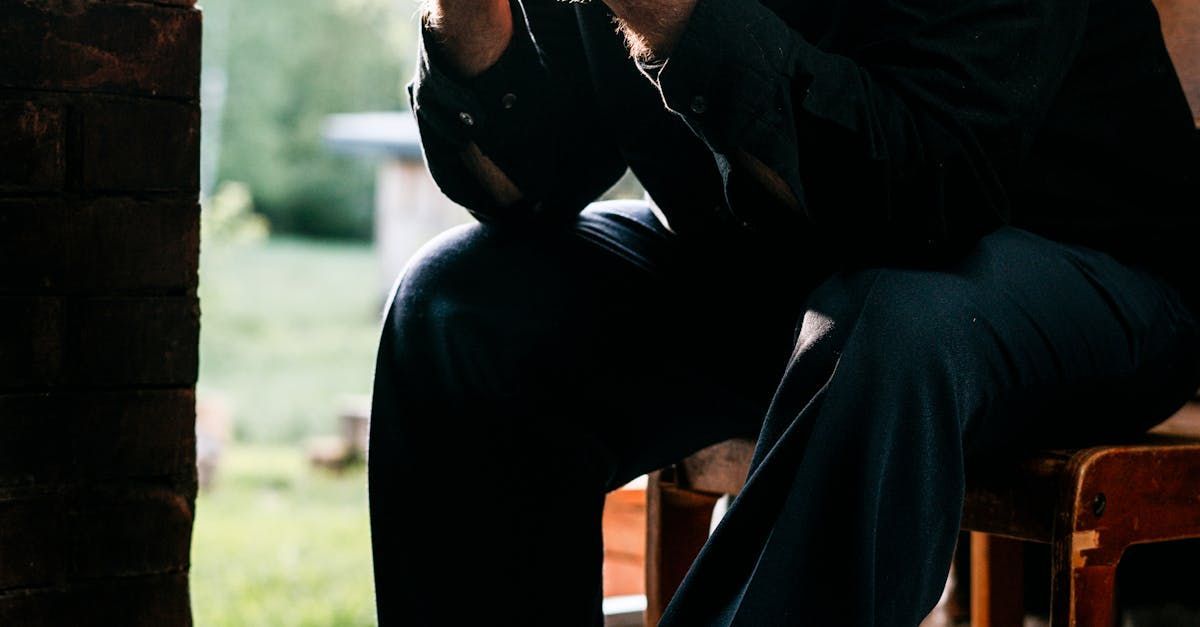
(1088, 504)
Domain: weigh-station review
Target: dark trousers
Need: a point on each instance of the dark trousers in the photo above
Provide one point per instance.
(522, 375)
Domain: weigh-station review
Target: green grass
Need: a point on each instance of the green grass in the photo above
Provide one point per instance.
(288, 329)
(278, 543)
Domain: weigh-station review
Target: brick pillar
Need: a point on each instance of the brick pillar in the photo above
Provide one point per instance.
(99, 230)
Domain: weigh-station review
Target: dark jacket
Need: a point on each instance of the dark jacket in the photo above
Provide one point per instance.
(900, 129)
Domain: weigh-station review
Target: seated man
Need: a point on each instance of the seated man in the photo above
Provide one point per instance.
(885, 238)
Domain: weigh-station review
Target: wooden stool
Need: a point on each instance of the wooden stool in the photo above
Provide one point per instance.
(1089, 504)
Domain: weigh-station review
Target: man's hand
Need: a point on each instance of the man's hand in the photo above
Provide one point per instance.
(473, 33)
(652, 27)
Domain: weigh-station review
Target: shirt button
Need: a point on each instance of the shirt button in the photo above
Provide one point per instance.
(508, 101)
(699, 105)
(466, 118)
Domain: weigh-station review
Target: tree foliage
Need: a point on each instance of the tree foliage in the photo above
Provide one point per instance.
(276, 68)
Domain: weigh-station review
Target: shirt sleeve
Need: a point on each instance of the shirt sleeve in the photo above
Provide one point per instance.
(540, 128)
(895, 134)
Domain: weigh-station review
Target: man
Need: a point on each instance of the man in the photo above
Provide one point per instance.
(886, 238)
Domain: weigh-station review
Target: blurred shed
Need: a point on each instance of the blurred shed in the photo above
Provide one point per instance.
(409, 208)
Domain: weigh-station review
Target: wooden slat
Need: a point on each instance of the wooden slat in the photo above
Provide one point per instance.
(676, 527)
(1181, 29)
(1133, 494)
(624, 526)
(1015, 499)
(997, 587)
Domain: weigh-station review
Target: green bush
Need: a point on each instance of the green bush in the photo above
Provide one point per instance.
(284, 66)
(228, 216)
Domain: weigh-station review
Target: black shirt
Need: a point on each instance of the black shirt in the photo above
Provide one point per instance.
(900, 129)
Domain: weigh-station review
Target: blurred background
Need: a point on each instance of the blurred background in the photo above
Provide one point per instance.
(313, 196)
(291, 291)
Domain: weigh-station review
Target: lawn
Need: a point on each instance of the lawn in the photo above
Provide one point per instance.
(289, 329)
(279, 543)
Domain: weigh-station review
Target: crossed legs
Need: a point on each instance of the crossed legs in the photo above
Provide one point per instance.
(521, 376)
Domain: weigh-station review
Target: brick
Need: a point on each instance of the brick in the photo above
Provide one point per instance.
(105, 245)
(175, 3)
(97, 436)
(139, 145)
(134, 341)
(89, 534)
(124, 244)
(134, 434)
(31, 341)
(107, 47)
(141, 533)
(32, 442)
(36, 132)
(32, 242)
(154, 601)
(31, 540)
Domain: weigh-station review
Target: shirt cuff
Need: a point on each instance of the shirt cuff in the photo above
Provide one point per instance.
(486, 109)
(721, 79)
